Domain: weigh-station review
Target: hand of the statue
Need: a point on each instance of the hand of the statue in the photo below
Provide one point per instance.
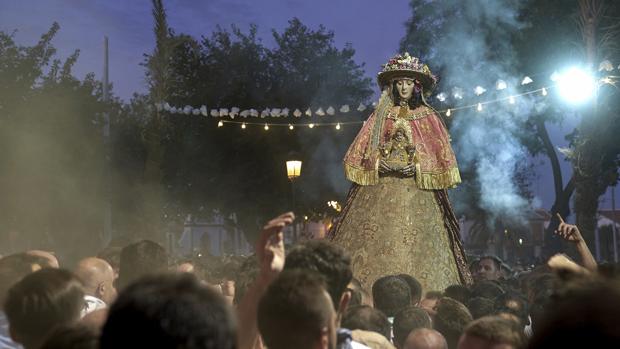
(384, 167)
(408, 171)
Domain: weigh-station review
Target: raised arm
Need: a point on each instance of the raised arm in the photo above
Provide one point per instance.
(270, 256)
(571, 233)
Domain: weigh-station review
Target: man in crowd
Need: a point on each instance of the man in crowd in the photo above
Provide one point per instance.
(13, 268)
(297, 312)
(367, 318)
(429, 302)
(492, 332)
(141, 258)
(414, 286)
(169, 311)
(425, 338)
(98, 278)
(407, 320)
(488, 268)
(39, 302)
(451, 319)
(391, 294)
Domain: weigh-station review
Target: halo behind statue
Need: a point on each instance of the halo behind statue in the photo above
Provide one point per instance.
(406, 66)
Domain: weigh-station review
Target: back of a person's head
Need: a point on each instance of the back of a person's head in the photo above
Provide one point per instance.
(487, 289)
(41, 301)
(513, 304)
(480, 306)
(391, 294)
(15, 267)
(74, 336)
(296, 311)
(424, 338)
(139, 259)
(451, 318)
(329, 260)
(409, 319)
(112, 255)
(414, 286)
(169, 311)
(458, 292)
(583, 314)
(491, 331)
(364, 317)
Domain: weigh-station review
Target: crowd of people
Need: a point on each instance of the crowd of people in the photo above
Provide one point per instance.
(305, 297)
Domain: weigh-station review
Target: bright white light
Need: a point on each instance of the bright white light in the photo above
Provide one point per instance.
(511, 100)
(576, 85)
(442, 97)
(479, 90)
(501, 85)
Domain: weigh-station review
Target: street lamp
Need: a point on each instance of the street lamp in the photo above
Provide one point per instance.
(293, 171)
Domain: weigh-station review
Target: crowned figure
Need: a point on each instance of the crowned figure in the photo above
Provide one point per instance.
(397, 217)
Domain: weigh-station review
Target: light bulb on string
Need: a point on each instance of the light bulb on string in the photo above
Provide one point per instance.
(511, 100)
(290, 127)
(544, 91)
(243, 126)
(266, 127)
(311, 125)
(220, 124)
(338, 126)
(479, 108)
(449, 112)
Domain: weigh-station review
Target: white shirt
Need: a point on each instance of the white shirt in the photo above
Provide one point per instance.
(91, 304)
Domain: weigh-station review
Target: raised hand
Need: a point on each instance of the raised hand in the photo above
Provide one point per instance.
(270, 246)
(568, 232)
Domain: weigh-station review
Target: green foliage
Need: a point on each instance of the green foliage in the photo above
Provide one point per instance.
(51, 147)
(205, 168)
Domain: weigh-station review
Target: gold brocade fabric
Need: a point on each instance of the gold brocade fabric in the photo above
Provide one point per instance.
(393, 227)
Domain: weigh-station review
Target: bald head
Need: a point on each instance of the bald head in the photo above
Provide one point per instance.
(425, 338)
(98, 278)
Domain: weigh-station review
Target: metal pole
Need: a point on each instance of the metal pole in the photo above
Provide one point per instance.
(613, 222)
(107, 206)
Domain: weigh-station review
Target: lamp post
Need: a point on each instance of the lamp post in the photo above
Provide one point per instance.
(293, 171)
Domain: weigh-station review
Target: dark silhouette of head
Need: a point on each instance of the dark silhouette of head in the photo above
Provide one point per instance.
(297, 312)
(409, 319)
(367, 318)
(414, 286)
(40, 301)
(327, 259)
(169, 311)
(451, 318)
(391, 294)
(141, 258)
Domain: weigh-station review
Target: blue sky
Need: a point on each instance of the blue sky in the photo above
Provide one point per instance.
(373, 27)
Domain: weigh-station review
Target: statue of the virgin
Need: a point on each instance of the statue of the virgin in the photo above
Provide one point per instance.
(397, 217)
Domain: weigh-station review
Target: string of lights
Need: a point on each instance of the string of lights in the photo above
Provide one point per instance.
(338, 125)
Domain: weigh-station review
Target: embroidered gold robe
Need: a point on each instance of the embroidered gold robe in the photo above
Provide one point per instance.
(392, 224)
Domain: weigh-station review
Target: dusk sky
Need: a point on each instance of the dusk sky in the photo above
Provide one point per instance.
(374, 28)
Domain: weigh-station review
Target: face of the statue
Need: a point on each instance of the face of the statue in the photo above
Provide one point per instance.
(405, 88)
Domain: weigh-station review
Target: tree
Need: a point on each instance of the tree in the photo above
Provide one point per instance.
(236, 171)
(51, 148)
